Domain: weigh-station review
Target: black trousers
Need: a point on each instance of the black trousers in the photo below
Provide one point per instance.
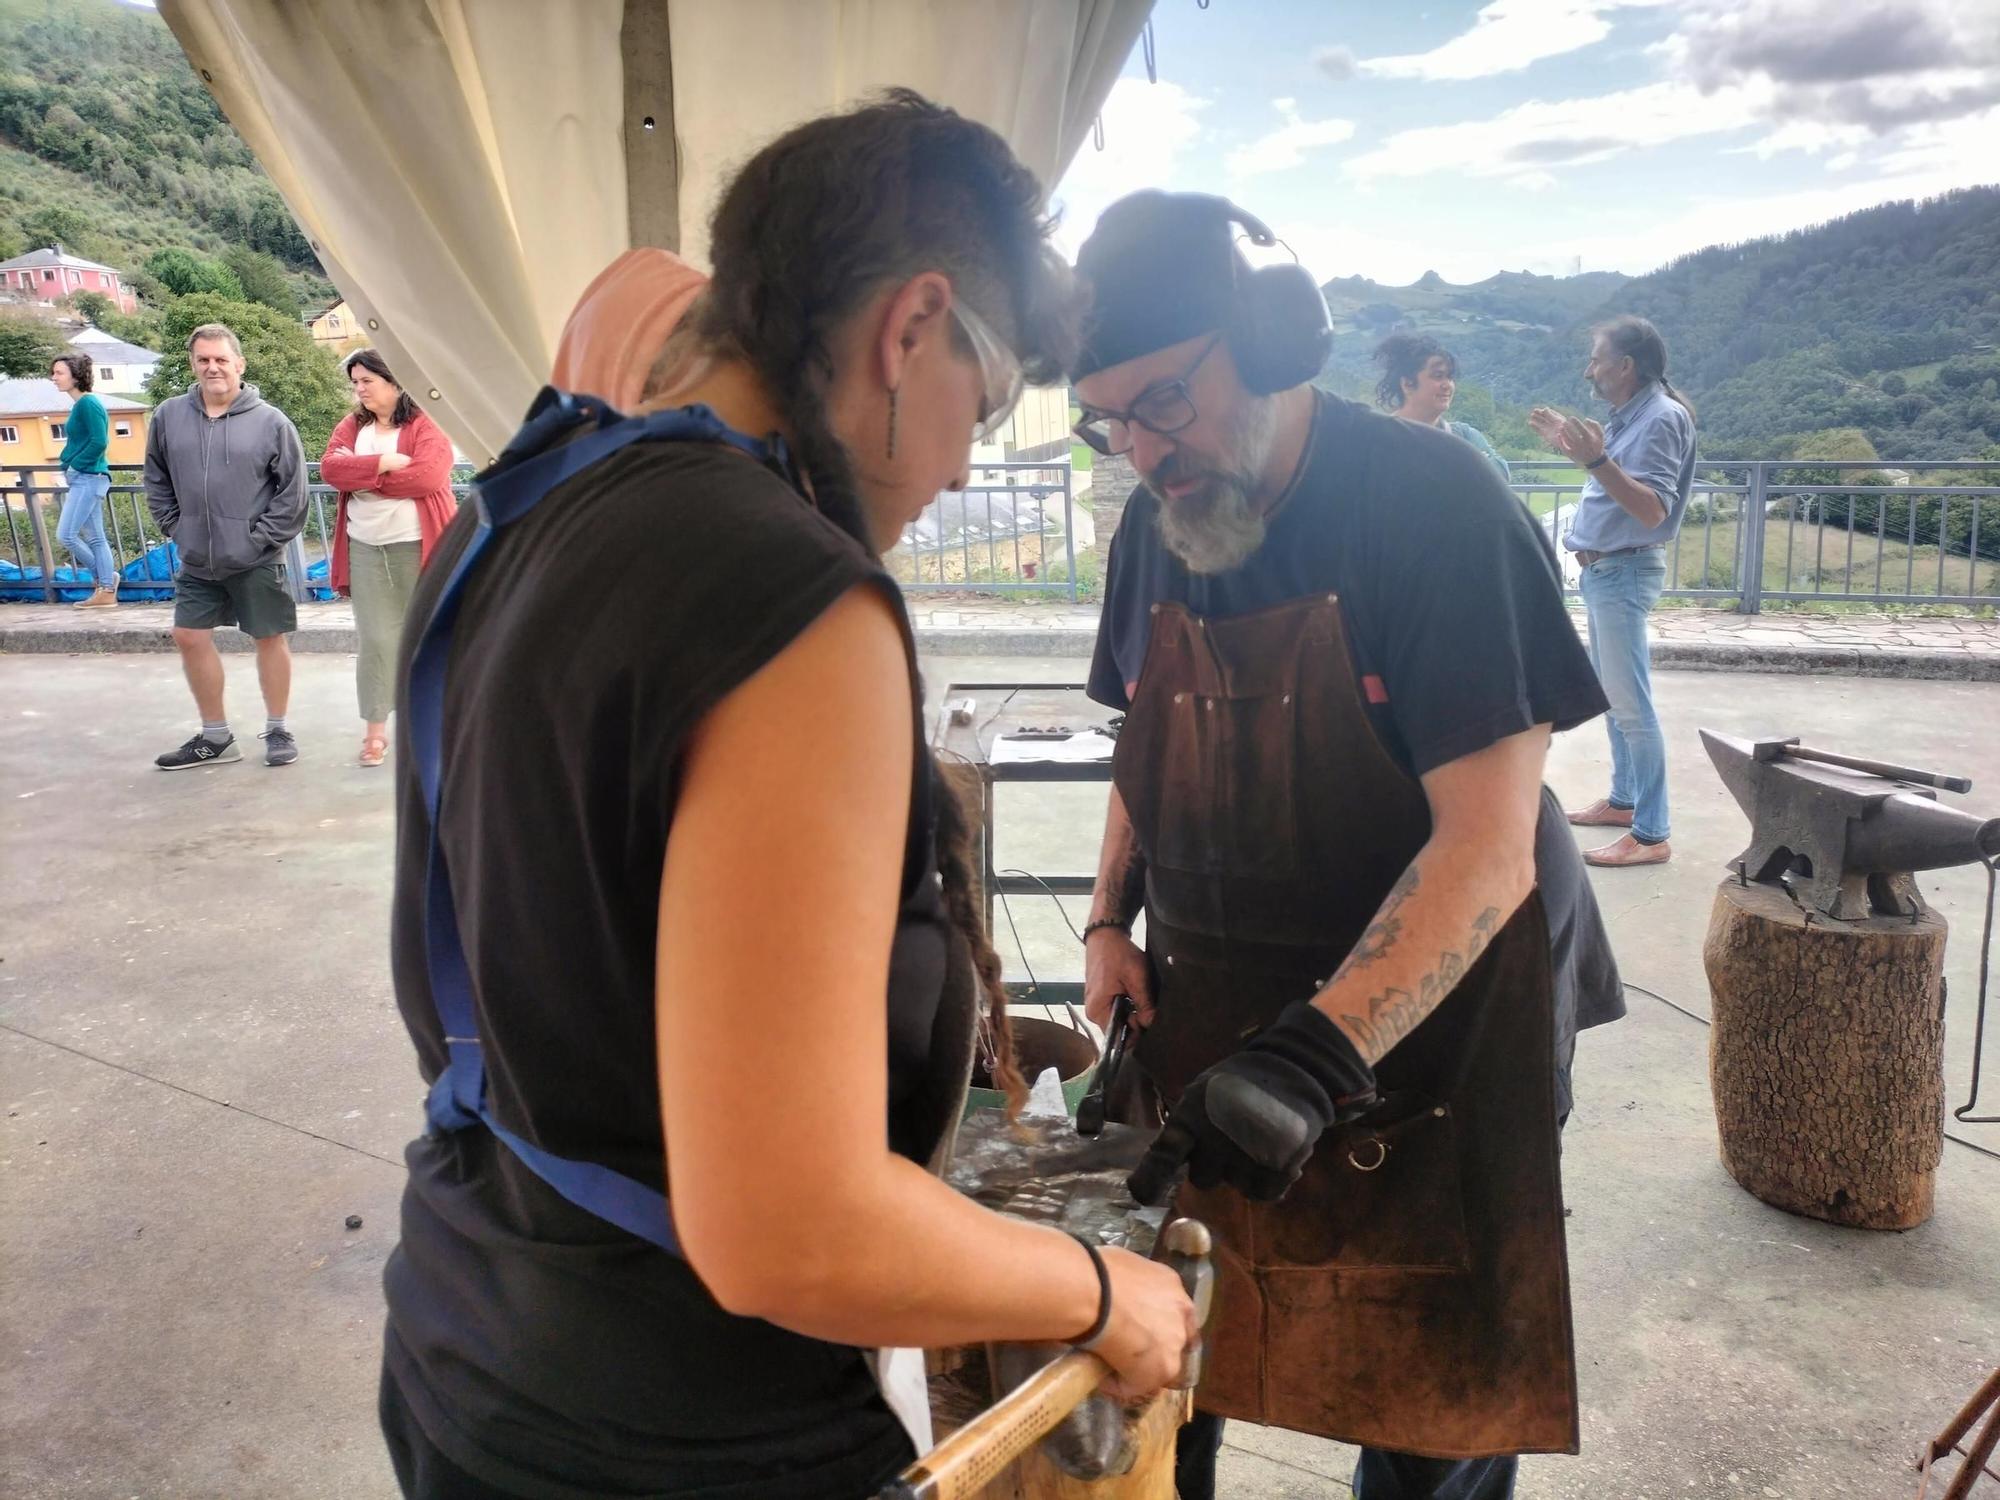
(1378, 1476)
(422, 1472)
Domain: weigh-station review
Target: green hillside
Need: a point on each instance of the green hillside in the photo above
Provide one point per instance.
(110, 143)
(1886, 321)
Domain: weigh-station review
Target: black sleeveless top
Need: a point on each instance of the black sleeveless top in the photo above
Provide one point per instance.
(540, 1348)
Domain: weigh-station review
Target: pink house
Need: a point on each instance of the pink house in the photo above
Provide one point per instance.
(53, 274)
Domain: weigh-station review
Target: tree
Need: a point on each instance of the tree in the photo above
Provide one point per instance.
(289, 370)
(143, 328)
(11, 243)
(1894, 384)
(186, 274)
(27, 344)
(262, 279)
(54, 224)
(92, 306)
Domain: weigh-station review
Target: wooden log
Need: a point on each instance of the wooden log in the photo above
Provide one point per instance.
(1826, 1057)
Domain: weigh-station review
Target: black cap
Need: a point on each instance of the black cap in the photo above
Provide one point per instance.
(1161, 268)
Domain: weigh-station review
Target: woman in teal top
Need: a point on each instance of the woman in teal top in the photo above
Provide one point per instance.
(1419, 378)
(88, 478)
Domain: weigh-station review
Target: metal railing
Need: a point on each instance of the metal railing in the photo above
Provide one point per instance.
(1785, 530)
(1808, 530)
(32, 495)
(1000, 534)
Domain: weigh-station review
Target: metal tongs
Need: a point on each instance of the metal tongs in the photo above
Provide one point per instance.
(1117, 1041)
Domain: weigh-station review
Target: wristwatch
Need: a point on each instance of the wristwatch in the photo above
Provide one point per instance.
(1599, 462)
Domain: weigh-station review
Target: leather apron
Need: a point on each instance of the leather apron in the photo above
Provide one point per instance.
(1411, 1291)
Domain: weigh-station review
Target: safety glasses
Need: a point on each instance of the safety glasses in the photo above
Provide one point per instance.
(999, 369)
(1163, 409)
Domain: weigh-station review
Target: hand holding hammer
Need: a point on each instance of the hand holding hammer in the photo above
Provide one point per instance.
(960, 1467)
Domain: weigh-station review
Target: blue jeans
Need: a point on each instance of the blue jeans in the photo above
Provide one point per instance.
(1618, 593)
(81, 528)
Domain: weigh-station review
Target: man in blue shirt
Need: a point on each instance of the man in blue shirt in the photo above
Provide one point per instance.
(1641, 467)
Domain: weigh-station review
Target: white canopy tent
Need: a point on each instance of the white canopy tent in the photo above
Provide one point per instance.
(464, 167)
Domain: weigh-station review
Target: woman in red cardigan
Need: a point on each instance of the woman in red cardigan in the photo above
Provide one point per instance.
(392, 467)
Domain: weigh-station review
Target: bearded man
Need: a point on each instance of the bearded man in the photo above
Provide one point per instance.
(1341, 646)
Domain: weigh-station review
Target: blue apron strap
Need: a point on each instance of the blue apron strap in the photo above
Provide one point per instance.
(536, 461)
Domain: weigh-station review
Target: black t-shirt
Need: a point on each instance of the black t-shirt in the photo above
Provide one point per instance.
(1452, 603)
(539, 1347)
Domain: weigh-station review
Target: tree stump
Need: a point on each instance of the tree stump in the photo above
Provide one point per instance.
(1826, 1057)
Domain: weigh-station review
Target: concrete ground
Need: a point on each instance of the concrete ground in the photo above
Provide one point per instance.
(204, 1077)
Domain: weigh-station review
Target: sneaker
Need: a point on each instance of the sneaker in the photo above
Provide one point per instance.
(200, 751)
(99, 599)
(280, 749)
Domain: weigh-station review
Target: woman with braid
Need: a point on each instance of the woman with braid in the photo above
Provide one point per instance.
(714, 904)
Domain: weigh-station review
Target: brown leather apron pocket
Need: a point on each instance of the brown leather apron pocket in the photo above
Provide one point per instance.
(1227, 802)
(1380, 1192)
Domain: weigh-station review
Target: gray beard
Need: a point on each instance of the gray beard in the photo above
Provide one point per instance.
(1219, 526)
(1215, 529)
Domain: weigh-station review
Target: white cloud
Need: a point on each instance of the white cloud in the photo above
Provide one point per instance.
(1935, 159)
(1880, 65)
(1508, 35)
(1287, 145)
(1148, 129)
(1524, 145)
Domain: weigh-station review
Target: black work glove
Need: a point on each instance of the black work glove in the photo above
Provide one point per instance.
(1253, 1119)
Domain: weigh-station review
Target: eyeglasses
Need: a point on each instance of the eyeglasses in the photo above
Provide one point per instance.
(1161, 409)
(999, 368)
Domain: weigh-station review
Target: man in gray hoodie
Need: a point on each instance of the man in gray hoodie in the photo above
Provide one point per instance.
(226, 481)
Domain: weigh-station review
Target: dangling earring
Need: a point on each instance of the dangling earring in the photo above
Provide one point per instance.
(893, 393)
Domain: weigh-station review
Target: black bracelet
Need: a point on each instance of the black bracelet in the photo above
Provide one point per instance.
(1097, 1330)
(1090, 927)
(1599, 462)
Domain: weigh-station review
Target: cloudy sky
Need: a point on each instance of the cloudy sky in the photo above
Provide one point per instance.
(1390, 139)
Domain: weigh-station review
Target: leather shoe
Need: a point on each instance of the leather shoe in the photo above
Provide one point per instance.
(1629, 851)
(1601, 814)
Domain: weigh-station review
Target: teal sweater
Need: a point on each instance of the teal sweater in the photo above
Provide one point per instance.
(85, 436)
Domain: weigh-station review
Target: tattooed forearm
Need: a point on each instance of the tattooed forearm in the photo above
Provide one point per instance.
(1123, 896)
(1382, 933)
(1121, 870)
(1382, 1020)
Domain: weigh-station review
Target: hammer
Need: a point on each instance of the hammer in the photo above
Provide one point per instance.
(965, 1463)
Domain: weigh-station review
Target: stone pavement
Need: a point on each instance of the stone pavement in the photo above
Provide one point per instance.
(205, 1077)
(1964, 649)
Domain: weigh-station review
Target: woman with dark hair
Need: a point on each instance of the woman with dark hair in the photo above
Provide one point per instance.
(710, 909)
(86, 479)
(391, 465)
(1419, 378)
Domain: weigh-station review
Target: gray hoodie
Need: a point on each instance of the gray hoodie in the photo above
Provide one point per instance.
(229, 490)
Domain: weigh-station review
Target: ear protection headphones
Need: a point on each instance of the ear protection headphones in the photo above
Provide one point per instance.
(1281, 334)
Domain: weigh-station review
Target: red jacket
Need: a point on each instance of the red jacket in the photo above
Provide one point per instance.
(426, 479)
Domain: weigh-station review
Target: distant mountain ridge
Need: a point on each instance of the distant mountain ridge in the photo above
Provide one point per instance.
(1885, 320)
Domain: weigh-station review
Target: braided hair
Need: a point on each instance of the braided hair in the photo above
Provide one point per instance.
(1640, 340)
(814, 225)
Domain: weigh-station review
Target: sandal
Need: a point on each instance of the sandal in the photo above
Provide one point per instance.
(374, 750)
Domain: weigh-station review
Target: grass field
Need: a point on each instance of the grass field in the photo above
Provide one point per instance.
(1801, 557)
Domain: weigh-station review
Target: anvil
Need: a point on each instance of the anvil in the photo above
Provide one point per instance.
(1844, 841)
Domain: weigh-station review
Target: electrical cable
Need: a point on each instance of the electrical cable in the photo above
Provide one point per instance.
(1028, 875)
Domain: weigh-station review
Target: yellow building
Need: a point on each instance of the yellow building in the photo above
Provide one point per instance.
(32, 417)
(337, 328)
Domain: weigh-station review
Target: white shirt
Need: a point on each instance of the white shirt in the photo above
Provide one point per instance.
(373, 519)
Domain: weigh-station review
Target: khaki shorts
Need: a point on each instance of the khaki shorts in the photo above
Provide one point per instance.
(255, 600)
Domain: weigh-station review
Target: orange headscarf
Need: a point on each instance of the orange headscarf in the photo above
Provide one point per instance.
(621, 322)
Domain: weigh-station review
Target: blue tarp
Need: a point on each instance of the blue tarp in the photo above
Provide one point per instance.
(20, 585)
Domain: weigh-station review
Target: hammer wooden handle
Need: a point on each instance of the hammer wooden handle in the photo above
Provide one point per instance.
(961, 1466)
